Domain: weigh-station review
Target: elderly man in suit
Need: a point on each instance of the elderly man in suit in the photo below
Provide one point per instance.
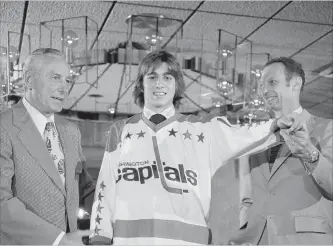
(41, 159)
(289, 200)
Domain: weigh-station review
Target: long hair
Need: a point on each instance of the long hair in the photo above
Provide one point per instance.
(153, 60)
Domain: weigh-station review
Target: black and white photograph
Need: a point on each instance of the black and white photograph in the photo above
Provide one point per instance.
(166, 122)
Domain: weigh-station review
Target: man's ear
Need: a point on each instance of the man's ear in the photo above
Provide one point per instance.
(296, 83)
(27, 81)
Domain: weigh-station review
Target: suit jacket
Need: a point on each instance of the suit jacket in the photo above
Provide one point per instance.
(283, 205)
(35, 206)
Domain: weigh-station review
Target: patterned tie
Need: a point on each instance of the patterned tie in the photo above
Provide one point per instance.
(54, 147)
(157, 118)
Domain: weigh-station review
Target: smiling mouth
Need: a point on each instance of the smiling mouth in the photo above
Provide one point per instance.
(159, 93)
(58, 98)
(269, 99)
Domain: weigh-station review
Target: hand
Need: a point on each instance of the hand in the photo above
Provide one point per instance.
(299, 142)
(74, 238)
(291, 123)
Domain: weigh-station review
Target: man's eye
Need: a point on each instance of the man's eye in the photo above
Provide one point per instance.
(167, 78)
(151, 77)
(55, 77)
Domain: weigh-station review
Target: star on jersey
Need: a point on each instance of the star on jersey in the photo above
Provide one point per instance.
(97, 230)
(172, 132)
(98, 219)
(141, 134)
(102, 185)
(201, 137)
(99, 208)
(187, 135)
(128, 135)
(100, 196)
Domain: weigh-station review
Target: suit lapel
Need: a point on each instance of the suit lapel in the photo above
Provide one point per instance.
(285, 152)
(281, 158)
(68, 148)
(33, 142)
(262, 158)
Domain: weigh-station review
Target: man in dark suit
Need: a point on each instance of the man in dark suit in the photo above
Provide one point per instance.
(290, 200)
(41, 159)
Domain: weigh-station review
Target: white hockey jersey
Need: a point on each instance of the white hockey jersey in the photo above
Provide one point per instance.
(154, 185)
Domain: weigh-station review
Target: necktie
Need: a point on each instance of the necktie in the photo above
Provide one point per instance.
(54, 147)
(157, 118)
(273, 155)
(274, 151)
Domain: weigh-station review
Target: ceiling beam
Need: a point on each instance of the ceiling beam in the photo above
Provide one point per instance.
(98, 33)
(25, 10)
(307, 46)
(310, 82)
(264, 23)
(103, 24)
(322, 101)
(183, 23)
(223, 13)
(323, 68)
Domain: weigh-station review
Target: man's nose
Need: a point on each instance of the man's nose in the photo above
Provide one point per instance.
(159, 83)
(64, 87)
(62, 90)
(264, 89)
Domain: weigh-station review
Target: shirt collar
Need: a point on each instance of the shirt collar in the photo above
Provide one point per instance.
(38, 118)
(298, 110)
(167, 113)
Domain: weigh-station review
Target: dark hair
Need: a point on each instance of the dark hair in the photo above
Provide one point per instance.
(291, 68)
(153, 60)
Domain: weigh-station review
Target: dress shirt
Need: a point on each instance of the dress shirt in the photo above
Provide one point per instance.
(37, 117)
(298, 110)
(40, 121)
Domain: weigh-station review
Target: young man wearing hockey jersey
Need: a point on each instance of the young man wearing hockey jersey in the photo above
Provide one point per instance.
(155, 179)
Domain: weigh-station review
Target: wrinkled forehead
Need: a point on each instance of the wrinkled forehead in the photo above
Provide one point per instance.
(42, 61)
(53, 65)
(50, 58)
